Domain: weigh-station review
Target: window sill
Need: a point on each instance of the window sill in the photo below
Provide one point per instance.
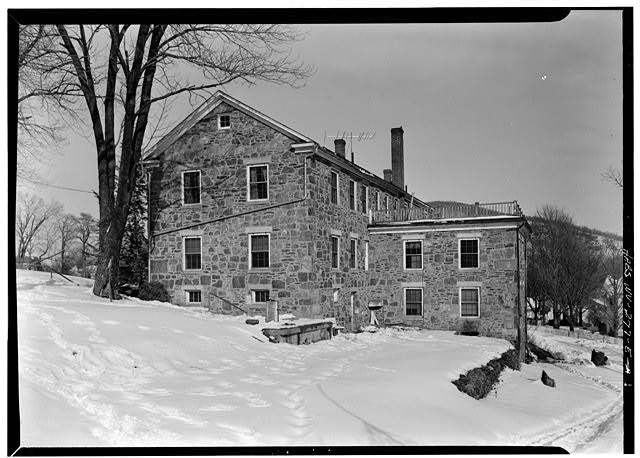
(258, 201)
(192, 205)
(259, 269)
(469, 269)
(470, 317)
(413, 270)
(195, 271)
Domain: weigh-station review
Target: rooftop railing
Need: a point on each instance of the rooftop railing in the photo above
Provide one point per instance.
(447, 211)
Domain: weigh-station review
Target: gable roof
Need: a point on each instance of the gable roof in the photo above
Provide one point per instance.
(203, 110)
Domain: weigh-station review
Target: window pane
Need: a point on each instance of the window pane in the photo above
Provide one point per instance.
(195, 296)
(225, 120)
(260, 259)
(191, 179)
(192, 245)
(469, 295)
(334, 251)
(413, 302)
(259, 243)
(192, 261)
(261, 295)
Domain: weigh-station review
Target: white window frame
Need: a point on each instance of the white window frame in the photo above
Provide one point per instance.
(366, 255)
(460, 301)
(332, 172)
(404, 302)
(253, 295)
(353, 201)
(251, 234)
(353, 253)
(184, 252)
(331, 252)
(187, 292)
(220, 120)
(404, 255)
(460, 253)
(365, 188)
(249, 167)
(200, 188)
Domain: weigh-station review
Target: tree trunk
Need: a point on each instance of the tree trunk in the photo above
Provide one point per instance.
(556, 318)
(570, 318)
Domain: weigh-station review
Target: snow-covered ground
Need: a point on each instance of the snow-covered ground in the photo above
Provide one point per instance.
(134, 373)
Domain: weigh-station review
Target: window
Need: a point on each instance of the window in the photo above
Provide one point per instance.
(258, 182)
(335, 252)
(334, 187)
(260, 296)
(366, 255)
(352, 194)
(413, 301)
(353, 255)
(395, 204)
(376, 199)
(468, 250)
(192, 253)
(386, 202)
(224, 122)
(469, 302)
(413, 254)
(194, 297)
(259, 251)
(363, 198)
(191, 187)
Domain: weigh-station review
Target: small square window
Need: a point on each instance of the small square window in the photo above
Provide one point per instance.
(224, 122)
(470, 302)
(469, 254)
(260, 296)
(413, 301)
(194, 297)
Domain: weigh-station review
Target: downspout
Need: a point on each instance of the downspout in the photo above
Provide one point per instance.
(522, 339)
(149, 237)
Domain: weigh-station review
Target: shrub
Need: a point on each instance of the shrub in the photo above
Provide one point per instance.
(153, 291)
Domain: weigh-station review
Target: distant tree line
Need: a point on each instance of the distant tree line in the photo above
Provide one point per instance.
(48, 238)
(574, 273)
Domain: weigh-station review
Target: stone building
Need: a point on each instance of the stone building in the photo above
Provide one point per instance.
(243, 209)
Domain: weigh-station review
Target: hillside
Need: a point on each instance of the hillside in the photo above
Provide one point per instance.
(134, 373)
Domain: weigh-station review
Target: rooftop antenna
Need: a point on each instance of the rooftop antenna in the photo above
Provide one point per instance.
(359, 137)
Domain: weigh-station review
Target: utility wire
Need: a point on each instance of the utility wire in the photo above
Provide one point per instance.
(66, 188)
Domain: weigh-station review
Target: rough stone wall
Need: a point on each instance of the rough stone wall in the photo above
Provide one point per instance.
(441, 279)
(222, 157)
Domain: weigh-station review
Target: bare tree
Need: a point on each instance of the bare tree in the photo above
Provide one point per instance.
(32, 215)
(122, 71)
(608, 309)
(68, 231)
(41, 98)
(613, 175)
(86, 235)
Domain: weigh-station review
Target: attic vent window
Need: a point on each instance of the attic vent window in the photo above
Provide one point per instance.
(224, 122)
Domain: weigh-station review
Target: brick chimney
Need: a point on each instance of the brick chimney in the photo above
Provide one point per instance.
(388, 174)
(397, 157)
(340, 145)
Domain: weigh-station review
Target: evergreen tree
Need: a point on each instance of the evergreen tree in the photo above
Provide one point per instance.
(134, 253)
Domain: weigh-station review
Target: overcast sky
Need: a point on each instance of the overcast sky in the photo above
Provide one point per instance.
(491, 112)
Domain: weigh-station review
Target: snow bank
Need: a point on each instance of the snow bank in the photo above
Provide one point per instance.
(135, 373)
